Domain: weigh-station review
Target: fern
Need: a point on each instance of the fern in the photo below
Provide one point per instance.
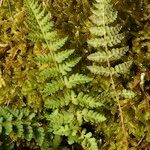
(104, 37)
(107, 40)
(58, 81)
(22, 124)
(106, 71)
(65, 123)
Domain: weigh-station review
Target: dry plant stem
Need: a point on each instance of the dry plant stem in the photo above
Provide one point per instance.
(125, 139)
(141, 140)
(1, 1)
(120, 109)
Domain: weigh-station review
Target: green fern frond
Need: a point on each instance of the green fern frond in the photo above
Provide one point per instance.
(92, 116)
(88, 142)
(42, 59)
(106, 39)
(106, 71)
(38, 21)
(67, 66)
(48, 73)
(109, 41)
(61, 56)
(127, 94)
(64, 123)
(55, 73)
(114, 54)
(22, 123)
(53, 87)
(87, 101)
(76, 79)
(59, 118)
(57, 102)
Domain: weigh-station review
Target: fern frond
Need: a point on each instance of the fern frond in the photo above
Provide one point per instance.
(61, 56)
(67, 66)
(48, 73)
(38, 21)
(55, 45)
(22, 123)
(76, 79)
(42, 59)
(57, 102)
(53, 87)
(106, 71)
(109, 41)
(59, 118)
(92, 116)
(88, 142)
(87, 101)
(114, 54)
(64, 123)
(127, 94)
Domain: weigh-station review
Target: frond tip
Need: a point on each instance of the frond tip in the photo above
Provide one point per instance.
(38, 20)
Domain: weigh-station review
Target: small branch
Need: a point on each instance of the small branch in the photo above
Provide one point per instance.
(140, 140)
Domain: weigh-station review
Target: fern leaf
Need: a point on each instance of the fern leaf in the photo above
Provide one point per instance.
(39, 134)
(68, 65)
(106, 71)
(46, 58)
(88, 142)
(109, 41)
(55, 45)
(123, 68)
(101, 70)
(57, 102)
(87, 101)
(114, 54)
(48, 73)
(29, 132)
(61, 56)
(53, 87)
(76, 79)
(19, 129)
(101, 31)
(127, 94)
(92, 116)
(63, 130)
(22, 123)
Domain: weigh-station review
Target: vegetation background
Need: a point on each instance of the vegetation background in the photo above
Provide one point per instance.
(99, 95)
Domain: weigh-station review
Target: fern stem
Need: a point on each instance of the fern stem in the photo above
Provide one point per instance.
(114, 87)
